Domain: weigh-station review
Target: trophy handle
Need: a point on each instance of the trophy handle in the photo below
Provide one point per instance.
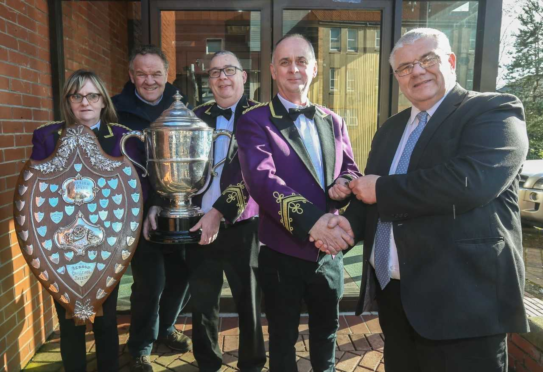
(215, 136)
(141, 137)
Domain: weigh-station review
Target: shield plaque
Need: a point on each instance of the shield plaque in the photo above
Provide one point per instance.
(78, 218)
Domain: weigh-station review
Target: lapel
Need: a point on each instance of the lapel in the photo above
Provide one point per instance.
(243, 105)
(390, 144)
(445, 109)
(325, 127)
(208, 119)
(106, 138)
(285, 125)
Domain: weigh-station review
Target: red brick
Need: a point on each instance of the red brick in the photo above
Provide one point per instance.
(8, 13)
(11, 181)
(17, 31)
(30, 127)
(5, 112)
(41, 115)
(532, 365)
(46, 103)
(4, 83)
(27, 23)
(19, 59)
(38, 15)
(9, 70)
(11, 127)
(31, 101)
(17, 5)
(8, 41)
(23, 140)
(14, 154)
(27, 48)
(526, 346)
(8, 98)
(21, 86)
(6, 141)
(43, 29)
(38, 40)
(46, 79)
(40, 90)
(22, 113)
(29, 75)
(2, 25)
(42, 5)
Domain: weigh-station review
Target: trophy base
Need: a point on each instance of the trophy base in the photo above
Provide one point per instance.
(176, 231)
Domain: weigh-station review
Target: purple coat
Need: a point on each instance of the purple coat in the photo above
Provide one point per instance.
(235, 204)
(281, 178)
(44, 141)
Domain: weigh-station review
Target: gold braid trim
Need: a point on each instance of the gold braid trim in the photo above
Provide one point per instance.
(120, 125)
(208, 103)
(50, 123)
(253, 101)
(287, 206)
(253, 107)
(234, 193)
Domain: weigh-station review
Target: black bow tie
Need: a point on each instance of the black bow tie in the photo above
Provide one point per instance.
(217, 111)
(308, 112)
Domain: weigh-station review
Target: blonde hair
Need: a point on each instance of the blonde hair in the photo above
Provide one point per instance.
(74, 85)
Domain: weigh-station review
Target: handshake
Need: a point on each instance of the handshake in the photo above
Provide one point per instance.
(332, 234)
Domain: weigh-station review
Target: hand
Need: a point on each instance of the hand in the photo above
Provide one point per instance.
(150, 221)
(209, 224)
(340, 221)
(333, 239)
(364, 188)
(340, 190)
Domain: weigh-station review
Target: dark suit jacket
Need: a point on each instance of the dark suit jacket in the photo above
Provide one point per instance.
(281, 178)
(455, 216)
(235, 204)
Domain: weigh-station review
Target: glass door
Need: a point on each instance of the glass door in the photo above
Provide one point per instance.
(350, 41)
(190, 32)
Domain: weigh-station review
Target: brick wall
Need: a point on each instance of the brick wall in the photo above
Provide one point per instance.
(26, 314)
(525, 351)
(96, 38)
(168, 42)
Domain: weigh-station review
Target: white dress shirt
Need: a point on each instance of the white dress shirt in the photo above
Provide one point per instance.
(308, 131)
(220, 152)
(412, 124)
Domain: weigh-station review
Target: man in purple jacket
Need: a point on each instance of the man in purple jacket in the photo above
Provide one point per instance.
(229, 227)
(296, 160)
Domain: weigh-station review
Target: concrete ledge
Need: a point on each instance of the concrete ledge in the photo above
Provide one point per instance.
(535, 336)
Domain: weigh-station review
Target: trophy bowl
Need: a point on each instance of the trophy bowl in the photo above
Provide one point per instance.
(179, 149)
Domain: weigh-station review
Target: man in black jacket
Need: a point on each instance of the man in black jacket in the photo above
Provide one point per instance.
(160, 274)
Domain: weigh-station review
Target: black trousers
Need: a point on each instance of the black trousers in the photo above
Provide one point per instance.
(286, 281)
(159, 292)
(407, 351)
(235, 252)
(72, 338)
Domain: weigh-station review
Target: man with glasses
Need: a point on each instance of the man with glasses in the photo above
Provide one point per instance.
(438, 210)
(229, 242)
(160, 287)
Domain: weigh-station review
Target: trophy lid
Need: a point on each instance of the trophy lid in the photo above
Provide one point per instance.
(178, 115)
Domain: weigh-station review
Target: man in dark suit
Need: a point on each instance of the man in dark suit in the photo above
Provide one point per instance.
(229, 242)
(160, 286)
(439, 216)
(295, 157)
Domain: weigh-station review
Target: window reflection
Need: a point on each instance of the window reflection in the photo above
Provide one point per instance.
(457, 20)
(348, 65)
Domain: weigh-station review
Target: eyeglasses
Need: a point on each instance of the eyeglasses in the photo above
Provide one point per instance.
(228, 71)
(426, 62)
(91, 97)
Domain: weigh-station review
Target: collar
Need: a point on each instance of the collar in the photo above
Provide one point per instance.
(288, 105)
(147, 102)
(415, 111)
(96, 126)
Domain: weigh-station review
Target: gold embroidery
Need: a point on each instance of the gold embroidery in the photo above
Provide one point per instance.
(256, 106)
(287, 206)
(234, 193)
(119, 125)
(50, 123)
(208, 103)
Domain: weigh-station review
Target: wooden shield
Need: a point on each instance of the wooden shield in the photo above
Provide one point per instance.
(78, 218)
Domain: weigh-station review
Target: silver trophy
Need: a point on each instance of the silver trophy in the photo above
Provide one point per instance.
(179, 149)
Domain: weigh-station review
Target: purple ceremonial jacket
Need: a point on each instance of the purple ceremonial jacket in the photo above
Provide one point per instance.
(281, 178)
(235, 204)
(44, 141)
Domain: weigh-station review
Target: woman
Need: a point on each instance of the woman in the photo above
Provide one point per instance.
(85, 101)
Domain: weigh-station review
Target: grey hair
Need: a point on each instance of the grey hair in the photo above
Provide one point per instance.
(410, 37)
(226, 53)
(147, 49)
(299, 36)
